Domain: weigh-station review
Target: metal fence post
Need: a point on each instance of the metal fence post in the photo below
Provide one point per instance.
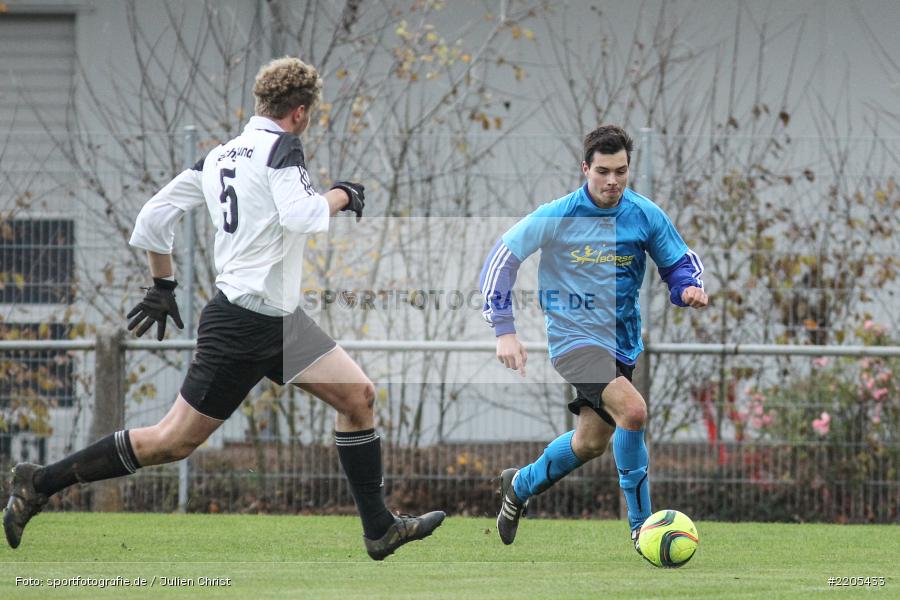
(187, 283)
(109, 408)
(645, 183)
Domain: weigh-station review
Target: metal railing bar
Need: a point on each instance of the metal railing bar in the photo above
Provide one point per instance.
(483, 346)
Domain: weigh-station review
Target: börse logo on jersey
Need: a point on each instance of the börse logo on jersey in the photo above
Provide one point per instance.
(596, 256)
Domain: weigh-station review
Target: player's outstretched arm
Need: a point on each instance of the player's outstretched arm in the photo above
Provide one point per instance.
(154, 231)
(498, 274)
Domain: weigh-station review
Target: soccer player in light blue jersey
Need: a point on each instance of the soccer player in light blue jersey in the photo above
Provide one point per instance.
(594, 243)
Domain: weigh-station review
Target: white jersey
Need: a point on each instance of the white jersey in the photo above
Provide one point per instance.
(262, 204)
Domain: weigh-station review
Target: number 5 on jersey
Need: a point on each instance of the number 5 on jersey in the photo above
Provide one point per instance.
(230, 196)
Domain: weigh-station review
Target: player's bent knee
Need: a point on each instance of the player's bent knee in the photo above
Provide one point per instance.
(359, 403)
(369, 396)
(631, 414)
(635, 416)
(361, 398)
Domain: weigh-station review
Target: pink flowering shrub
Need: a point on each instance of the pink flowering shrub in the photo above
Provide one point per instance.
(844, 408)
(844, 400)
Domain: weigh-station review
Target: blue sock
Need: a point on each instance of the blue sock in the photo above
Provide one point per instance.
(632, 461)
(557, 461)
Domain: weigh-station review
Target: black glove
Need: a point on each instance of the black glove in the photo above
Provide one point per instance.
(357, 196)
(158, 303)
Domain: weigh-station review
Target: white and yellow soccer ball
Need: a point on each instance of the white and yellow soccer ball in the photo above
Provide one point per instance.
(668, 538)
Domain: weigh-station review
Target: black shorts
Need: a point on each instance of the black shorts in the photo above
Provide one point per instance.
(237, 347)
(590, 369)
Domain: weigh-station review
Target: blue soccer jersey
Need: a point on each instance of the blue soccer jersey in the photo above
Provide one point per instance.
(591, 269)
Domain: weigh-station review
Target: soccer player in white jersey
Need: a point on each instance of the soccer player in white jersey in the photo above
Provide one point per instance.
(258, 193)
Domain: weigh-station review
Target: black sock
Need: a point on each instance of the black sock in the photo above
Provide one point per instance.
(106, 458)
(360, 454)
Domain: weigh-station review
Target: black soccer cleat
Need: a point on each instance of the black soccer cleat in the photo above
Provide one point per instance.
(24, 502)
(635, 539)
(511, 508)
(405, 529)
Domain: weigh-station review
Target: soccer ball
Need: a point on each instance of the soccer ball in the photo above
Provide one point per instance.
(668, 538)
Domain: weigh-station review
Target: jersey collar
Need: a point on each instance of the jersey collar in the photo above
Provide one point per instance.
(258, 122)
(606, 212)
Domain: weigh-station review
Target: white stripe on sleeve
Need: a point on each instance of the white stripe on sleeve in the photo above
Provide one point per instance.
(490, 281)
(698, 267)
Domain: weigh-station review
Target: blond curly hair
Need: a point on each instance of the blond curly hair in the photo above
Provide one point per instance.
(284, 84)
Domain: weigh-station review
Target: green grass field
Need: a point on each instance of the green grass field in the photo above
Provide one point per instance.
(323, 557)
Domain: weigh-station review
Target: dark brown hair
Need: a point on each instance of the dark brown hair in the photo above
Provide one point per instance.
(607, 139)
